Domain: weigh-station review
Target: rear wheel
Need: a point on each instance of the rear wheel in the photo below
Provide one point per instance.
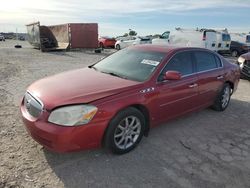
(223, 98)
(125, 131)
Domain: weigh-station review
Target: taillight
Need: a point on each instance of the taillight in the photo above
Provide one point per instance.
(245, 47)
(204, 36)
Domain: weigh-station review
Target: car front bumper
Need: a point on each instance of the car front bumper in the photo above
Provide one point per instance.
(245, 71)
(61, 138)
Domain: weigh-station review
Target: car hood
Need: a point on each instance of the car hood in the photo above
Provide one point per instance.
(246, 56)
(78, 86)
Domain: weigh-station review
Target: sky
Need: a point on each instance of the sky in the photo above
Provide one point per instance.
(116, 17)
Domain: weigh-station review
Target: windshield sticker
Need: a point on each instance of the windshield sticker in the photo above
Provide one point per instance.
(150, 62)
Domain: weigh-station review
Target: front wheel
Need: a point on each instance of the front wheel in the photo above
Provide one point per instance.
(223, 98)
(118, 47)
(125, 131)
(235, 53)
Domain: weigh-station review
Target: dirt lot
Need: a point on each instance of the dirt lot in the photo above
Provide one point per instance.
(204, 149)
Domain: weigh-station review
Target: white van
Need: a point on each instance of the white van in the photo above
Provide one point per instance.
(203, 38)
(241, 37)
(163, 39)
(223, 42)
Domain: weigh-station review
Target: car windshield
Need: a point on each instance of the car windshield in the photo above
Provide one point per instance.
(248, 38)
(226, 37)
(130, 64)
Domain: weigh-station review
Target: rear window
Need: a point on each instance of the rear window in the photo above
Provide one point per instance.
(218, 61)
(226, 37)
(208, 34)
(206, 61)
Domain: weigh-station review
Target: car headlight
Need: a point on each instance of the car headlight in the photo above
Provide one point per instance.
(73, 115)
(241, 60)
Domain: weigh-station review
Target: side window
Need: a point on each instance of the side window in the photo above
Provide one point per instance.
(181, 62)
(165, 35)
(205, 61)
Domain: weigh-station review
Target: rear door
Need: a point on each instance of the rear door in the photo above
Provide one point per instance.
(226, 41)
(210, 75)
(177, 97)
(210, 40)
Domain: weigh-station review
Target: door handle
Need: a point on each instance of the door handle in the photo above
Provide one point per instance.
(193, 85)
(220, 77)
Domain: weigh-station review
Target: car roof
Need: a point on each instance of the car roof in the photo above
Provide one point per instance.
(163, 48)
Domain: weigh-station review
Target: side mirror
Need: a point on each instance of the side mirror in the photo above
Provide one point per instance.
(172, 75)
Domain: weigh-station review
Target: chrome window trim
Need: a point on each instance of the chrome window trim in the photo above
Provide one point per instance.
(195, 73)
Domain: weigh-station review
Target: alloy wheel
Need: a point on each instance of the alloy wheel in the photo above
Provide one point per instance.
(225, 97)
(127, 132)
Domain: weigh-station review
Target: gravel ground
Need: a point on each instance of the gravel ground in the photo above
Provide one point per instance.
(203, 149)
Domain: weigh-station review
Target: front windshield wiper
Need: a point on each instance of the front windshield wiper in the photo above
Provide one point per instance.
(115, 74)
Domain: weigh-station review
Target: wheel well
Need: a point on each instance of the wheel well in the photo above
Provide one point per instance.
(231, 85)
(145, 112)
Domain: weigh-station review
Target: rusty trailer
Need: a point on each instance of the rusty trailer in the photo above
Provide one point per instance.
(64, 36)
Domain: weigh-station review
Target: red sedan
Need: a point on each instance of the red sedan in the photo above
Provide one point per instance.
(116, 101)
(106, 42)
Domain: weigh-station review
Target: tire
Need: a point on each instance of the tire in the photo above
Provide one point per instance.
(122, 134)
(118, 47)
(223, 99)
(235, 53)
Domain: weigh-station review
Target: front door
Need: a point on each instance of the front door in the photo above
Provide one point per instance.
(177, 97)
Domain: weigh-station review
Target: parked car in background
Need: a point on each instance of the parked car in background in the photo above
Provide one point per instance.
(238, 48)
(120, 44)
(223, 42)
(244, 63)
(203, 38)
(116, 101)
(106, 42)
(2, 38)
(22, 38)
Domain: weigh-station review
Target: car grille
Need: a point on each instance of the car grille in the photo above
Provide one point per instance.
(33, 105)
(246, 68)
